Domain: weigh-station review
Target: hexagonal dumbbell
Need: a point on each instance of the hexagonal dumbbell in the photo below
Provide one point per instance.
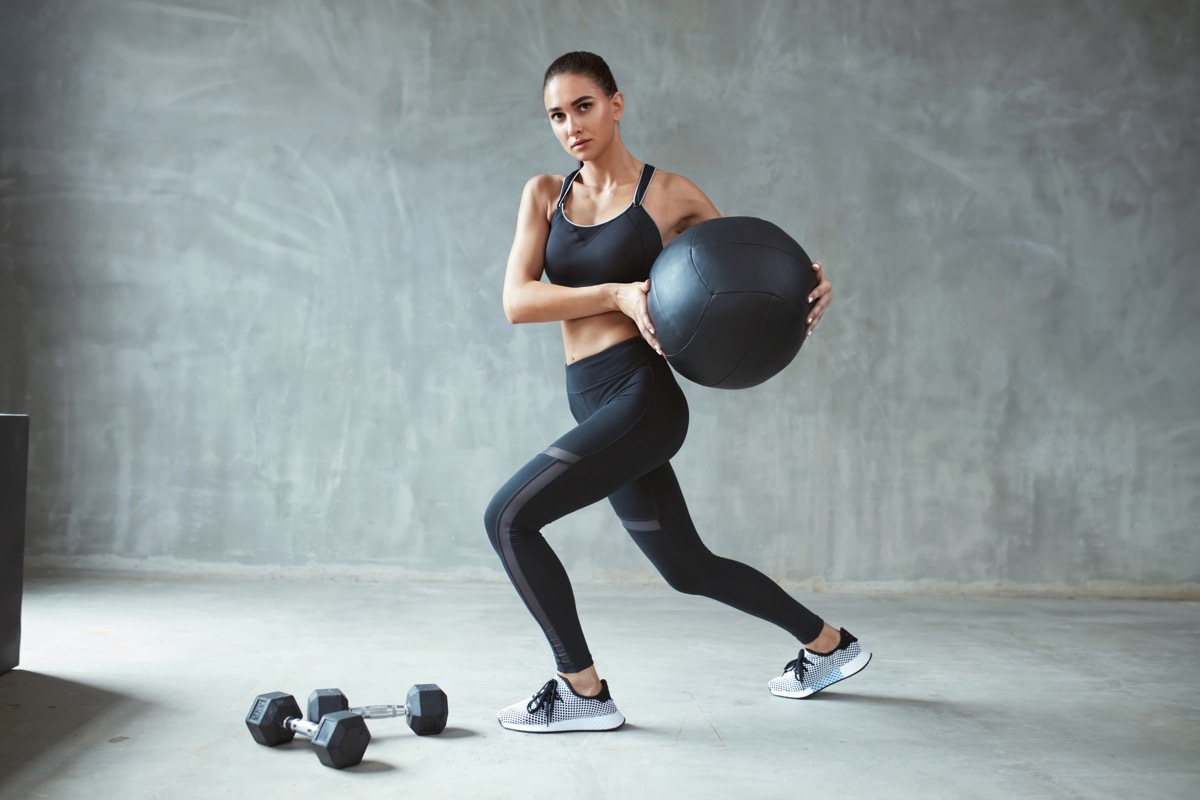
(340, 739)
(425, 709)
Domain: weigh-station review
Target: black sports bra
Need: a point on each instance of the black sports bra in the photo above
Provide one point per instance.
(621, 250)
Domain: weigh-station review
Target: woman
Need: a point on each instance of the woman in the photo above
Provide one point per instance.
(595, 234)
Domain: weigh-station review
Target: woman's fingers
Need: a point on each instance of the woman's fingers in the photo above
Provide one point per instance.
(646, 321)
(820, 298)
(823, 284)
(645, 324)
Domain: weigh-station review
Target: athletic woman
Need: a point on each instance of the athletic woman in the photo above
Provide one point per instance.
(595, 233)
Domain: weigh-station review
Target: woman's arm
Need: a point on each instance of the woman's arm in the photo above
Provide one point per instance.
(681, 204)
(526, 297)
(686, 206)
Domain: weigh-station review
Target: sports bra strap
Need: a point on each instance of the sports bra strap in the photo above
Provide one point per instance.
(643, 184)
(638, 195)
(566, 187)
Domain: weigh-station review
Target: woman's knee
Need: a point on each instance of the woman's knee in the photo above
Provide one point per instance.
(689, 569)
(683, 580)
(492, 518)
(686, 585)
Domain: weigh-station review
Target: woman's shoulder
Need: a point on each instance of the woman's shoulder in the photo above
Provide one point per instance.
(675, 184)
(541, 192)
(546, 185)
(678, 203)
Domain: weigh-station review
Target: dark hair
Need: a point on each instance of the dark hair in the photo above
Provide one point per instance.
(581, 62)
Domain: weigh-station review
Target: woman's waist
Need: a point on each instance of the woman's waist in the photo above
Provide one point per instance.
(612, 355)
(590, 336)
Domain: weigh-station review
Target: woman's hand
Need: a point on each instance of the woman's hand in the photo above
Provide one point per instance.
(631, 301)
(820, 298)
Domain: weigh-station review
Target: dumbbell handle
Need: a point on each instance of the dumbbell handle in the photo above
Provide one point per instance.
(302, 727)
(380, 712)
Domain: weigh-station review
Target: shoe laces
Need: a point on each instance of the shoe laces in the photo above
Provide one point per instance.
(545, 698)
(796, 665)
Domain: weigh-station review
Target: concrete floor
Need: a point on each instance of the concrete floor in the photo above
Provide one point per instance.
(137, 688)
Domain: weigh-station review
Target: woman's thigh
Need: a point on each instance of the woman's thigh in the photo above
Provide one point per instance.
(636, 428)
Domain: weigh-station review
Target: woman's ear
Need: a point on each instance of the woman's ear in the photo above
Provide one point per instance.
(618, 103)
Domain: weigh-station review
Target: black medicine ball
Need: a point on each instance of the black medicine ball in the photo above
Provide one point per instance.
(729, 301)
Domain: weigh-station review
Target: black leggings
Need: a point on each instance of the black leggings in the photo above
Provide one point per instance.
(632, 419)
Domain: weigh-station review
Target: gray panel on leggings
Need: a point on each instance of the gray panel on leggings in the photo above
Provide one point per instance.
(514, 506)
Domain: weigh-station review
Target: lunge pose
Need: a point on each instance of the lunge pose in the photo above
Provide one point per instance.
(595, 234)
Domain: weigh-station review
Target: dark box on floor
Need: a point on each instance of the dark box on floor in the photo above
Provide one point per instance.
(14, 459)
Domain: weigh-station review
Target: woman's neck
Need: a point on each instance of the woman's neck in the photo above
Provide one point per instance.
(615, 167)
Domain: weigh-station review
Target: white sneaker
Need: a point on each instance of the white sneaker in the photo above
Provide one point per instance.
(809, 672)
(556, 708)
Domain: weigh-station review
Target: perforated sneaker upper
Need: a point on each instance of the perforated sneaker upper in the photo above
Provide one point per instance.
(809, 672)
(557, 708)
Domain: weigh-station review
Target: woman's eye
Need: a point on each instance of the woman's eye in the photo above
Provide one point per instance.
(584, 106)
(556, 117)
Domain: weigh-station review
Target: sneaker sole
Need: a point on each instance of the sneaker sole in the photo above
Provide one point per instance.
(852, 667)
(608, 722)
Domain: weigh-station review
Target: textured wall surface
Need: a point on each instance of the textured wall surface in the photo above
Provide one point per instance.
(251, 254)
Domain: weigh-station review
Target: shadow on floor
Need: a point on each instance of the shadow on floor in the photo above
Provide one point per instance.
(43, 716)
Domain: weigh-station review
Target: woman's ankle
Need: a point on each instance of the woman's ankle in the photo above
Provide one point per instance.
(827, 642)
(585, 683)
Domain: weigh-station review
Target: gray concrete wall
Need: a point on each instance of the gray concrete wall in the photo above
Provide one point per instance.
(251, 254)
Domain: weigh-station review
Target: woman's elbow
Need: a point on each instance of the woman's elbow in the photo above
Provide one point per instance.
(513, 310)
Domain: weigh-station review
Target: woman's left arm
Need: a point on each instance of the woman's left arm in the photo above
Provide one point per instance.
(686, 205)
(689, 206)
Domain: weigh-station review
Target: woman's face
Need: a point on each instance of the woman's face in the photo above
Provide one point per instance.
(583, 118)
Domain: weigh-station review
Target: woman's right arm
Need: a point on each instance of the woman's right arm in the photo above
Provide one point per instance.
(526, 297)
